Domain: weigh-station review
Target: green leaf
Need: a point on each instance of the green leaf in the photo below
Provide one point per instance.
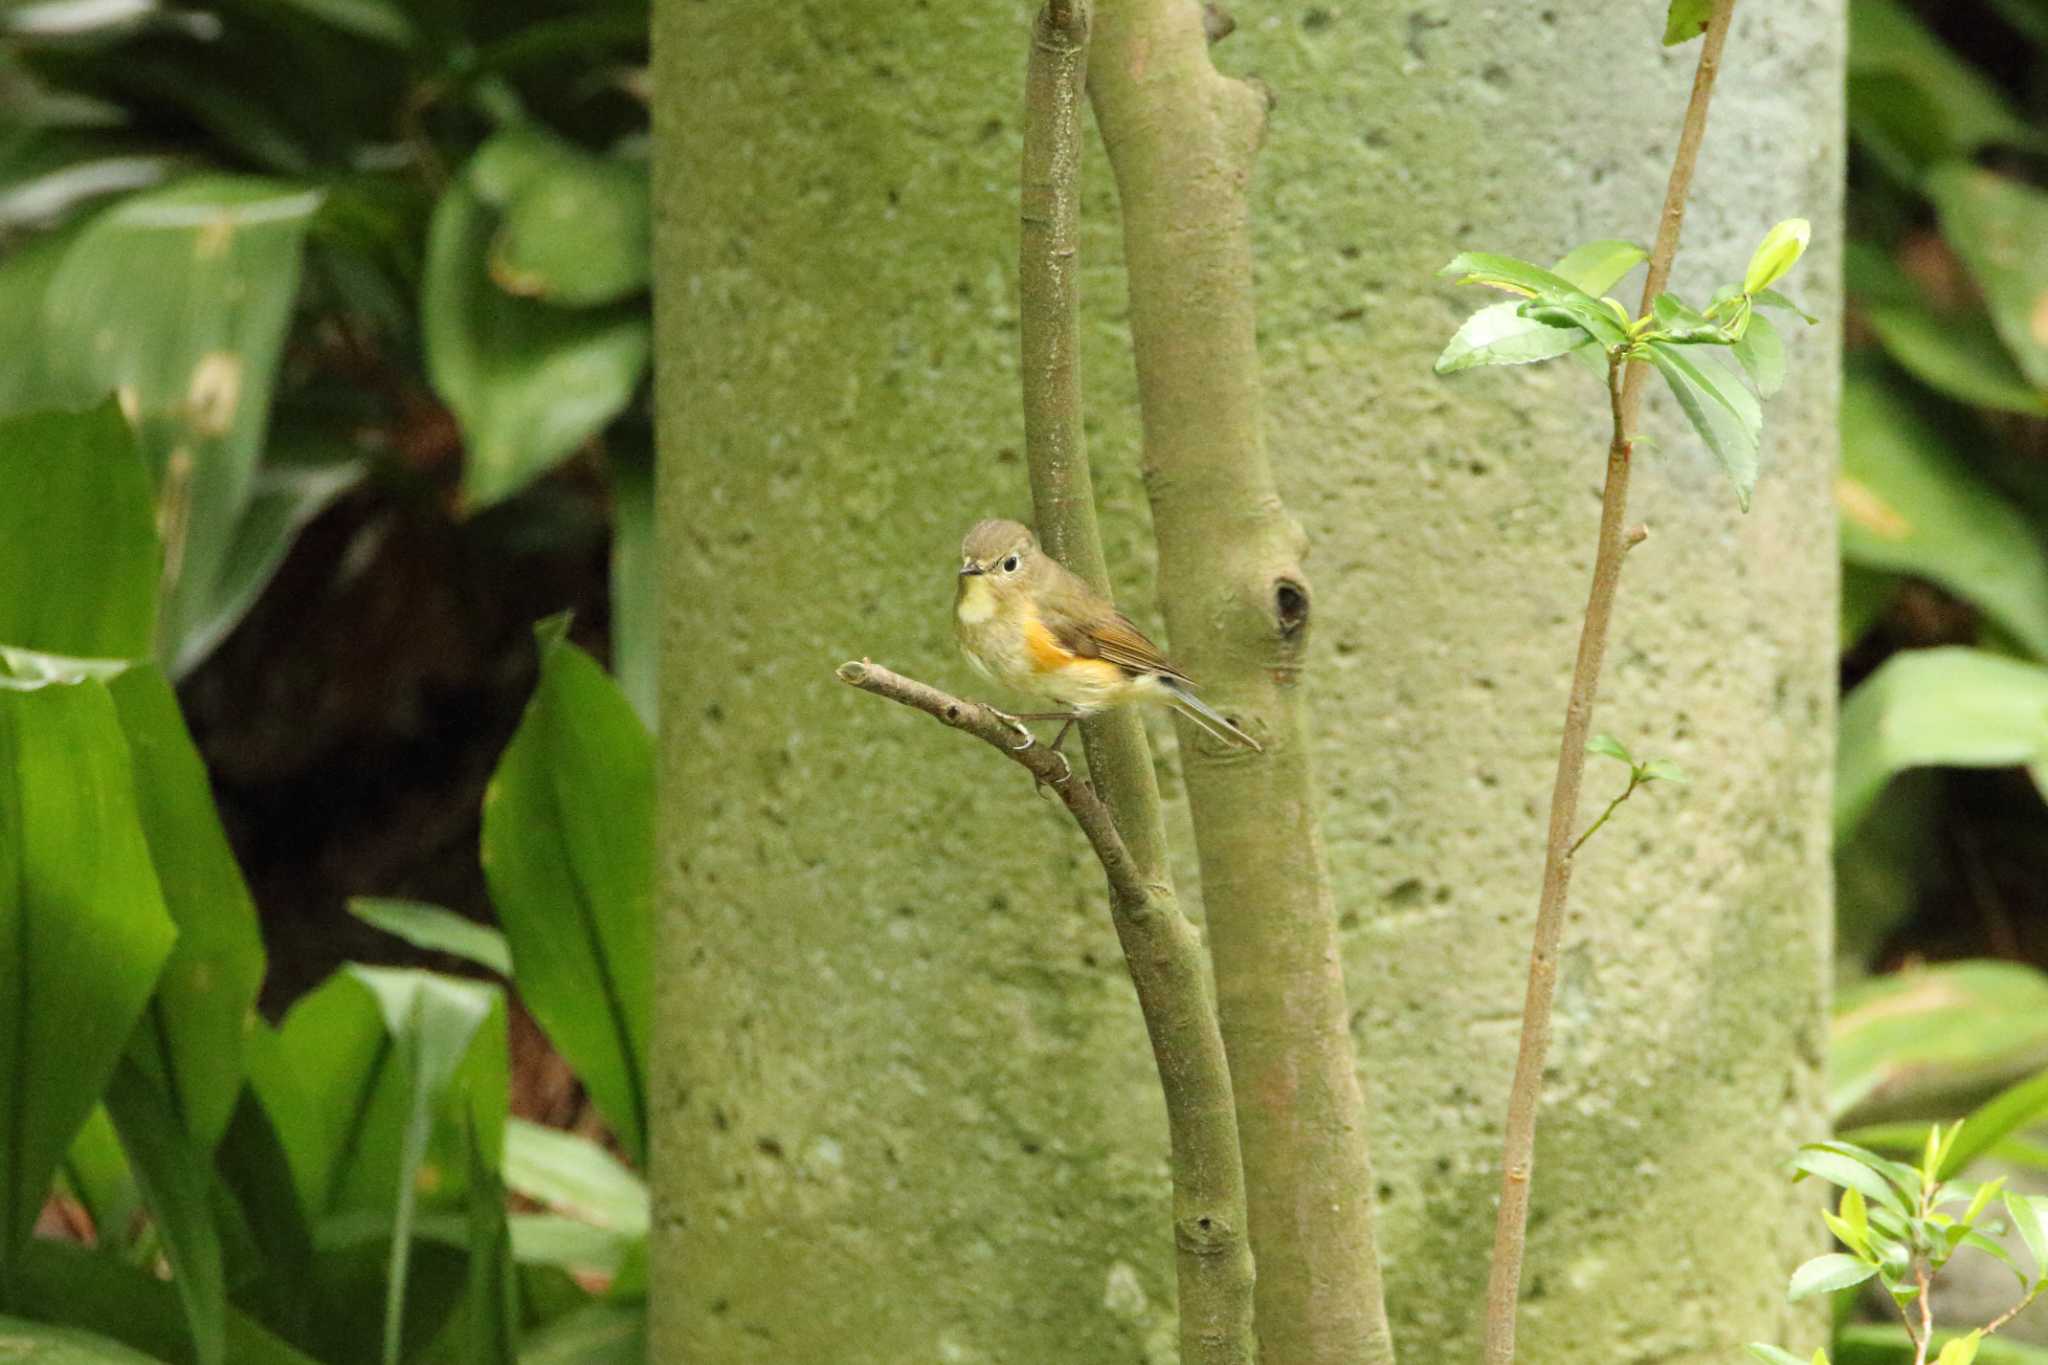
(1874, 1344)
(576, 228)
(1761, 353)
(96, 1171)
(282, 500)
(1930, 1040)
(568, 824)
(574, 1176)
(1498, 334)
(1683, 325)
(36, 1344)
(83, 930)
(255, 1174)
(529, 383)
(570, 1244)
(1607, 746)
(1853, 1173)
(1686, 20)
(80, 555)
(1720, 410)
(1663, 770)
(1911, 504)
(95, 1291)
(486, 1323)
(177, 1187)
(1962, 1350)
(1913, 101)
(1775, 256)
(601, 1334)
(432, 1022)
(636, 580)
(1510, 273)
(1825, 1274)
(1597, 267)
(2006, 1113)
(1771, 298)
(1772, 1355)
(383, 21)
(1977, 1241)
(436, 930)
(1997, 226)
(1950, 706)
(208, 987)
(179, 299)
(2027, 1221)
(1959, 355)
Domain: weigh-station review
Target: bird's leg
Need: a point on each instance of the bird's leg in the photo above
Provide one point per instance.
(1016, 722)
(1061, 737)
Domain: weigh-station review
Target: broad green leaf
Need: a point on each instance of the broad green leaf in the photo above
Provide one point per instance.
(1962, 1350)
(1498, 334)
(177, 1186)
(1720, 410)
(2012, 1109)
(1997, 225)
(1866, 595)
(1775, 256)
(1664, 770)
(330, 1082)
(432, 1021)
(1825, 1274)
(255, 1173)
(1875, 1344)
(574, 1176)
(83, 930)
(484, 1329)
(576, 228)
(1910, 503)
(1597, 267)
(79, 556)
(178, 300)
(207, 991)
(528, 382)
(1912, 101)
(568, 824)
(436, 930)
(1761, 353)
(1959, 355)
(568, 1243)
(601, 1334)
(95, 1291)
(29, 380)
(1607, 746)
(2030, 17)
(2027, 1221)
(1951, 706)
(1772, 1355)
(1686, 20)
(33, 1343)
(383, 21)
(96, 1171)
(635, 580)
(282, 500)
(1931, 1039)
(1510, 273)
(1850, 1173)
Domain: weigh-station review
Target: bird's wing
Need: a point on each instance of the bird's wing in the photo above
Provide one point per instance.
(1113, 638)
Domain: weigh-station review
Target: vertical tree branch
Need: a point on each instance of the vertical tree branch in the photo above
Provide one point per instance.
(1182, 139)
(1625, 399)
(1213, 1251)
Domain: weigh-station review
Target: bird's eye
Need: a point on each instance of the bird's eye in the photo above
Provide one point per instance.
(1010, 564)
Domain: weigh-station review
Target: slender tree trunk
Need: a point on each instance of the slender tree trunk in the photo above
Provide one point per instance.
(1182, 138)
(1453, 525)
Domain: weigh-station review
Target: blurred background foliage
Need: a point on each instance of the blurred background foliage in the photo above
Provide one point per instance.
(328, 380)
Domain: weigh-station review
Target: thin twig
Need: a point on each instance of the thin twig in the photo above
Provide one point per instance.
(1926, 1337)
(1213, 1265)
(2009, 1314)
(1170, 974)
(1625, 399)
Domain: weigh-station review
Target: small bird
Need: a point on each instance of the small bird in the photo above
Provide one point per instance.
(1026, 621)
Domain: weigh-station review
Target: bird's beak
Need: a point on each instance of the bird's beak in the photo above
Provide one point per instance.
(971, 568)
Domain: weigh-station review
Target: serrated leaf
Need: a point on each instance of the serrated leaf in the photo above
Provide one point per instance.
(1607, 746)
(1825, 1274)
(1720, 410)
(1683, 22)
(1596, 267)
(1761, 353)
(1498, 334)
(1855, 1173)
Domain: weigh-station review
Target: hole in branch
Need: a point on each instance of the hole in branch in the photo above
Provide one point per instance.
(1290, 606)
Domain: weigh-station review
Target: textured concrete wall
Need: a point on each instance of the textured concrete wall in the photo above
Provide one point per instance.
(904, 1106)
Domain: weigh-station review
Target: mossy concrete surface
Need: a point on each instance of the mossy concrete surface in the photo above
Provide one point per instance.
(903, 1105)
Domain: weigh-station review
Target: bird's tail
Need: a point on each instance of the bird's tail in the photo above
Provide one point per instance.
(1206, 716)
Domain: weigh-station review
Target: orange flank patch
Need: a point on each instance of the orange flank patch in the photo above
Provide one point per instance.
(1047, 653)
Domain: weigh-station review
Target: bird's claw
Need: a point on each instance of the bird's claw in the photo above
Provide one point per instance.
(1038, 784)
(1019, 726)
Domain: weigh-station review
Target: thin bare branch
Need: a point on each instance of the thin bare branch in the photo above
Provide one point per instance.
(1625, 396)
